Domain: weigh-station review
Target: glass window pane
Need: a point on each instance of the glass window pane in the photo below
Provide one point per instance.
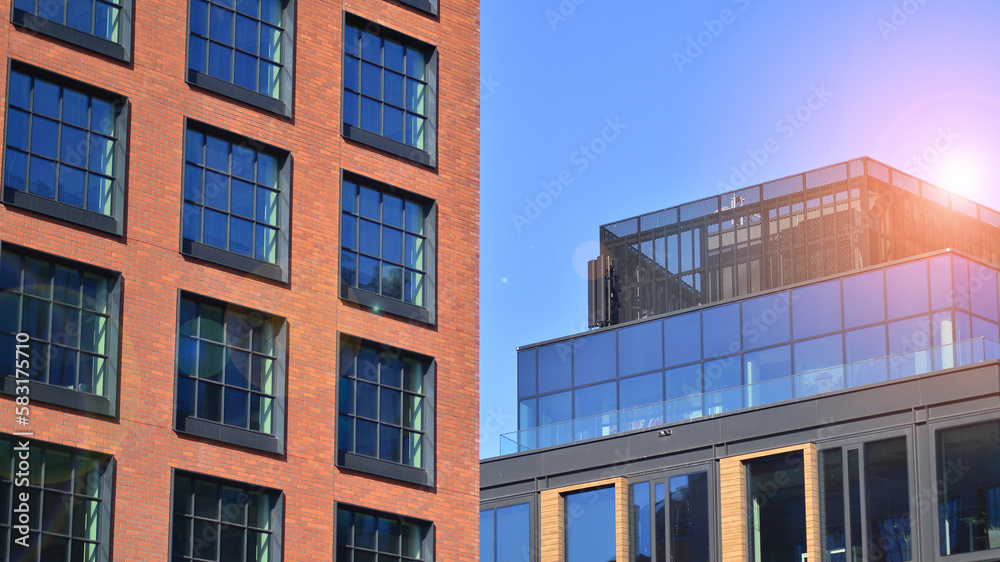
(864, 299)
(766, 321)
(639, 524)
(593, 400)
(887, 499)
(513, 532)
(983, 290)
(777, 510)
(555, 409)
(554, 366)
(682, 338)
(590, 525)
(639, 399)
(908, 343)
(816, 310)
(968, 460)
(832, 500)
(941, 289)
(721, 330)
(819, 365)
(593, 358)
(960, 281)
(640, 348)
(767, 375)
(689, 528)
(906, 289)
(526, 373)
(865, 352)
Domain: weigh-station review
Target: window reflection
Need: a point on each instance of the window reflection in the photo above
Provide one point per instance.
(906, 288)
(766, 321)
(590, 526)
(555, 367)
(593, 358)
(777, 508)
(816, 310)
(682, 338)
(640, 349)
(864, 299)
(969, 506)
(721, 330)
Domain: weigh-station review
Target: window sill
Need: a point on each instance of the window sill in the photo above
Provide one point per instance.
(68, 213)
(388, 145)
(234, 261)
(386, 304)
(422, 5)
(238, 93)
(227, 434)
(379, 467)
(73, 399)
(76, 37)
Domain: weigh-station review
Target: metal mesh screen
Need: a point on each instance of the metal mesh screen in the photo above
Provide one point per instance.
(822, 222)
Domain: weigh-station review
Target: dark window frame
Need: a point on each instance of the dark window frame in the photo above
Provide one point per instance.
(105, 488)
(427, 544)
(534, 536)
(278, 271)
(663, 477)
(283, 104)
(277, 510)
(427, 156)
(106, 405)
(427, 313)
(219, 431)
(933, 430)
(424, 476)
(115, 222)
(857, 442)
(120, 50)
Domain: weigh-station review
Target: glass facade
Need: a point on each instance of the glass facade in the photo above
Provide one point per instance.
(902, 320)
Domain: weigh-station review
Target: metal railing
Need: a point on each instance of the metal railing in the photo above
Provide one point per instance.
(753, 395)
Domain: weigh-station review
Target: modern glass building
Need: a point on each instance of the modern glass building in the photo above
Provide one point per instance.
(831, 220)
(850, 414)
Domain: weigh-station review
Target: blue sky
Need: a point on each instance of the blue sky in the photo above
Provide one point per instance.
(598, 110)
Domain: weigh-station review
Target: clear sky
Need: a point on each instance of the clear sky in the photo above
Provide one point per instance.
(599, 110)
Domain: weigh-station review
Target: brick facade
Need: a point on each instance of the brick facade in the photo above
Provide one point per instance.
(142, 439)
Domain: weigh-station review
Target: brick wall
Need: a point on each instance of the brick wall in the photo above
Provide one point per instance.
(142, 439)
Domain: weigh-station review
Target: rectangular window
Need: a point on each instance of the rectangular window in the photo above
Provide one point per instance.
(776, 507)
(371, 535)
(218, 520)
(670, 516)
(590, 525)
(103, 26)
(387, 249)
(385, 410)
(968, 469)
(70, 313)
(389, 83)
(65, 153)
(505, 533)
(243, 51)
(69, 503)
(865, 502)
(230, 373)
(236, 202)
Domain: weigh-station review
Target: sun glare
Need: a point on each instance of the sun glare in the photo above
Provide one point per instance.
(960, 174)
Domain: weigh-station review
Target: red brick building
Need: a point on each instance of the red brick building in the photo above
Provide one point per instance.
(240, 239)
